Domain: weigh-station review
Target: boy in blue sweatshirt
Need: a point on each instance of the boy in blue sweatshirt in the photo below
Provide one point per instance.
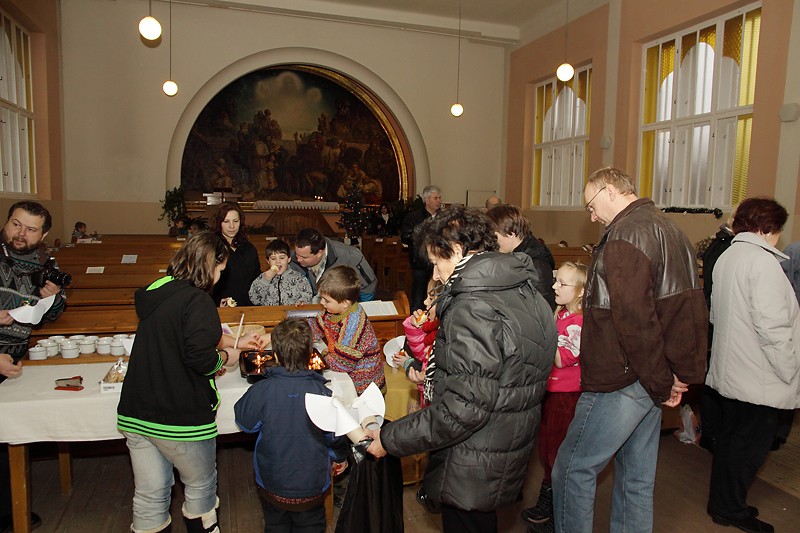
(292, 456)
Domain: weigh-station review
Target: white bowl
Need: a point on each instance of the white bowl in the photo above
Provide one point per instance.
(121, 336)
(105, 340)
(93, 338)
(70, 352)
(104, 348)
(77, 337)
(46, 342)
(57, 338)
(86, 346)
(37, 353)
(117, 348)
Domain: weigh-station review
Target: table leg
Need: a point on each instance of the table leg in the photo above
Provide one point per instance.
(20, 487)
(65, 468)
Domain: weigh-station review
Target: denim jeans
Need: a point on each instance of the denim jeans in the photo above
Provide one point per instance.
(623, 424)
(153, 460)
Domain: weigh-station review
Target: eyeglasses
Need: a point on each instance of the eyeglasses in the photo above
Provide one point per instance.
(588, 205)
(559, 284)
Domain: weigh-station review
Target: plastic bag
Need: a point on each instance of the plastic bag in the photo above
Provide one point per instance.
(690, 434)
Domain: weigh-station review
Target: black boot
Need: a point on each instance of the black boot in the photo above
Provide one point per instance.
(543, 510)
(207, 523)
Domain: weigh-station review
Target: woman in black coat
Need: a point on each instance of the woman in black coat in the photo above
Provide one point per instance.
(244, 265)
(486, 378)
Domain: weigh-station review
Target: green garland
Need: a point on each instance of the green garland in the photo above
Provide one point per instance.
(702, 210)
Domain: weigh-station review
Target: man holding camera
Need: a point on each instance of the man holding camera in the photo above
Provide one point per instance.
(23, 280)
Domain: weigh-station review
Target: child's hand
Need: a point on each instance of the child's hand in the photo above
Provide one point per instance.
(400, 358)
(415, 376)
(264, 340)
(338, 468)
(249, 341)
(271, 273)
(420, 317)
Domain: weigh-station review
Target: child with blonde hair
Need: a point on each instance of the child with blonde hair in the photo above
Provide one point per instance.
(563, 386)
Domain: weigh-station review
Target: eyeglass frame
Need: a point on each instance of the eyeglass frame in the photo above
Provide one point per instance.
(589, 207)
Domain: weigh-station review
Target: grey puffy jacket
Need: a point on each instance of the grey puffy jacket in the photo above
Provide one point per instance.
(493, 353)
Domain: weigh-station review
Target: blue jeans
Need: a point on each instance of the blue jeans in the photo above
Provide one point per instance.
(623, 424)
(153, 460)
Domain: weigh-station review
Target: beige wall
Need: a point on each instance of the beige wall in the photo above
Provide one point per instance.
(775, 148)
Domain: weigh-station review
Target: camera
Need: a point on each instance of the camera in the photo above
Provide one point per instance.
(50, 272)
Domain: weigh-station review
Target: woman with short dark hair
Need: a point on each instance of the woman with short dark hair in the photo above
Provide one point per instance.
(487, 372)
(755, 357)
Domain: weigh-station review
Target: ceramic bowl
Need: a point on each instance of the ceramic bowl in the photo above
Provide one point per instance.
(70, 351)
(57, 338)
(37, 353)
(105, 340)
(104, 348)
(77, 337)
(121, 336)
(93, 338)
(117, 348)
(86, 346)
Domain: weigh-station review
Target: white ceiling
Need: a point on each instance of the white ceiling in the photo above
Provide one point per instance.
(503, 21)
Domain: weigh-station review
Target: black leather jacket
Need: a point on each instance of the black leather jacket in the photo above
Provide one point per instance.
(644, 316)
(493, 353)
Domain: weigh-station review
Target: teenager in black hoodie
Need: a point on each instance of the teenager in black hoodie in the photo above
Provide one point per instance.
(168, 403)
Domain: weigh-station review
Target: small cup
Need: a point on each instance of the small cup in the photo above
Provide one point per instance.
(37, 353)
(86, 346)
(117, 348)
(57, 338)
(121, 336)
(93, 338)
(104, 348)
(52, 348)
(46, 342)
(105, 340)
(70, 351)
(77, 337)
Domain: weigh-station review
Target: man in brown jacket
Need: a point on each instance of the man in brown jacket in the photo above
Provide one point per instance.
(644, 338)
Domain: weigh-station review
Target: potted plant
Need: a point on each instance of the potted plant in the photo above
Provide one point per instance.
(173, 205)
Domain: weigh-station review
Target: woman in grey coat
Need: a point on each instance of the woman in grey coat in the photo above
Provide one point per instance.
(491, 359)
(755, 357)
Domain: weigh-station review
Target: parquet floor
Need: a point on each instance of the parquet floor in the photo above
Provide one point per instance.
(102, 490)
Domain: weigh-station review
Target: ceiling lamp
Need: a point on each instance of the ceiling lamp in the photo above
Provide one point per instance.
(457, 109)
(565, 71)
(149, 27)
(170, 88)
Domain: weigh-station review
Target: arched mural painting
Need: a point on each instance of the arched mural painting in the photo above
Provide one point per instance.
(296, 132)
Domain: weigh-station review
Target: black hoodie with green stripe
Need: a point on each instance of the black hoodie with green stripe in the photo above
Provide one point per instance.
(169, 390)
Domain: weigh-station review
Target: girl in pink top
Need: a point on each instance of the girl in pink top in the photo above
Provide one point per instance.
(563, 386)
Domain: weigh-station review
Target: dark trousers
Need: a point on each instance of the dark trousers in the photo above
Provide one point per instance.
(419, 287)
(456, 520)
(710, 414)
(277, 520)
(5, 481)
(743, 438)
(558, 410)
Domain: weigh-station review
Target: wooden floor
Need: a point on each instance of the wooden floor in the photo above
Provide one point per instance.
(101, 498)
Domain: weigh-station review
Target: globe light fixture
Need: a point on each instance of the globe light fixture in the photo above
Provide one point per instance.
(457, 109)
(565, 71)
(149, 27)
(170, 88)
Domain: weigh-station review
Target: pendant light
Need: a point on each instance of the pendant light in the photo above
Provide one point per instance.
(149, 27)
(565, 71)
(457, 109)
(170, 88)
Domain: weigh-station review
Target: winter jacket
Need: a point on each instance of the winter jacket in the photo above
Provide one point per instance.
(792, 266)
(289, 288)
(292, 455)
(339, 253)
(568, 377)
(755, 357)
(242, 268)
(644, 314)
(493, 352)
(543, 264)
(169, 390)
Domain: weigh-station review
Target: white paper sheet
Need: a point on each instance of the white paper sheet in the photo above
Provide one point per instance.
(129, 259)
(343, 415)
(391, 347)
(95, 270)
(32, 314)
(379, 308)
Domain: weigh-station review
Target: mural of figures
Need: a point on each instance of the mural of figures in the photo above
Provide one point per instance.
(285, 133)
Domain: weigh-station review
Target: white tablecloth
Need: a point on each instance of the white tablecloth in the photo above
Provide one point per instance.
(32, 411)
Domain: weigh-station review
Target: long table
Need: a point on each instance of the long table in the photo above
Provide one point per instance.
(34, 412)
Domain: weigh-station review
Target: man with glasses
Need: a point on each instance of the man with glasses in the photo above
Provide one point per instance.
(643, 340)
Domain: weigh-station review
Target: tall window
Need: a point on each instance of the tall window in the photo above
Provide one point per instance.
(560, 140)
(697, 112)
(16, 109)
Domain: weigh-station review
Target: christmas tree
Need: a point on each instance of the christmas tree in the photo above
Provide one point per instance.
(355, 217)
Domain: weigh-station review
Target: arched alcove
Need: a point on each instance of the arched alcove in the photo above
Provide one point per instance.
(383, 101)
